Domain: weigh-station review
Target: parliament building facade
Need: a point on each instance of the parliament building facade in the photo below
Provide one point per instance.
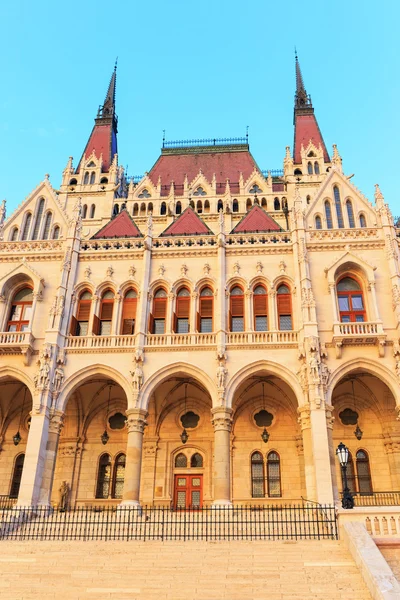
(206, 334)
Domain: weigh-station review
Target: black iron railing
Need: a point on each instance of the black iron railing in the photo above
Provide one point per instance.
(291, 522)
(205, 142)
(376, 498)
(7, 502)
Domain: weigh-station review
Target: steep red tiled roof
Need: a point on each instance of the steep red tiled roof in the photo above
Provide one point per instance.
(256, 220)
(306, 129)
(121, 226)
(225, 165)
(188, 223)
(102, 141)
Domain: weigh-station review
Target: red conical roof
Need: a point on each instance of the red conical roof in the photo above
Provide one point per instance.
(256, 220)
(121, 226)
(188, 223)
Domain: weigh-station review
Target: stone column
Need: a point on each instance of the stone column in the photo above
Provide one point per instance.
(55, 426)
(135, 424)
(35, 459)
(222, 422)
(392, 446)
(309, 473)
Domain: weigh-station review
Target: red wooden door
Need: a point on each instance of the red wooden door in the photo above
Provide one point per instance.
(188, 491)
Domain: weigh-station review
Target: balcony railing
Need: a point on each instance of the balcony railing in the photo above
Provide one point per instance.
(376, 499)
(6, 501)
(262, 337)
(17, 342)
(367, 328)
(193, 340)
(100, 342)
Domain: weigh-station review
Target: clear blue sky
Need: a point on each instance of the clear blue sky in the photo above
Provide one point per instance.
(197, 69)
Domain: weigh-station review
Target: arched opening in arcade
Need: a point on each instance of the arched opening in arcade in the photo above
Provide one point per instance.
(365, 421)
(92, 447)
(15, 409)
(267, 447)
(177, 459)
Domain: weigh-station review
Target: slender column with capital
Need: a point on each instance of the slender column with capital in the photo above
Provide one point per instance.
(222, 422)
(135, 423)
(55, 426)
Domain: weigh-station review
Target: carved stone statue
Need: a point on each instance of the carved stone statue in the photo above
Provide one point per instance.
(325, 373)
(63, 493)
(137, 377)
(44, 372)
(221, 375)
(314, 366)
(398, 368)
(58, 379)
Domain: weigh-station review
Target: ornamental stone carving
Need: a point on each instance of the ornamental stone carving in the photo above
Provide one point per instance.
(161, 270)
(136, 421)
(184, 270)
(236, 268)
(66, 264)
(56, 422)
(222, 419)
(221, 375)
(109, 272)
(87, 272)
(206, 269)
(58, 379)
(259, 267)
(132, 271)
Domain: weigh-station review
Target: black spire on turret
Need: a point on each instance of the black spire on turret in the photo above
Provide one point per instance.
(107, 110)
(301, 98)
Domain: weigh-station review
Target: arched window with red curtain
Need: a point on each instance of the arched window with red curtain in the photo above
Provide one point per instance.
(21, 310)
(80, 323)
(182, 311)
(159, 311)
(206, 310)
(129, 308)
(260, 308)
(236, 309)
(350, 300)
(102, 323)
(284, 305)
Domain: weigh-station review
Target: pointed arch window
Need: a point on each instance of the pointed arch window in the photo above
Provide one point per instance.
(260, 308)
(143, 209)
(318, 222)
(274, 475)
(351, 478)
(363, 473)
(236, 309)
(196, 461)
(86, 178)
(328, 215)
(17, 475)
(103, 477)
(350, 213)
(257, 475)
(47, 225)
(309, 168)
(206, 310)
(21, 310)
(129, 312)
(277, 204)
(181, 461)
(92, 177)
(56, 232)
(363, 222)
(316, 168)
(92, 211)
(149, 208)
(284, 305)
(119, 476)
(163, 209)
(14, 234)
(199, 206)
(38, 221)
(206, 206)
(135, 209)
(157, 317)
(84, 211)
(264, 203)
(248, 204)
(182, 311)
(80, 323)
(178, 208)
(220, 205)
(338, 207)
(235, 206)
(102, 325)
(350, 300)
(27, 224)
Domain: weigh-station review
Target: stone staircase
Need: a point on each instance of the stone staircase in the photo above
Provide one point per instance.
(174, 570)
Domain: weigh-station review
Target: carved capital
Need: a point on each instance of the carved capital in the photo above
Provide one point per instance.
(222, 419)
(136, 420)
(56, 422)
(304, 417)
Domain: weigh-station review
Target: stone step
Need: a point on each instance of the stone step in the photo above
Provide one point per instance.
(316, 570)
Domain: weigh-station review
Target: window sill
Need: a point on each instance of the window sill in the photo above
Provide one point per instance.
(359, 334)
(17, 342)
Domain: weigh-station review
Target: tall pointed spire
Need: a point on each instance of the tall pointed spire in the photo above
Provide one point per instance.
(306, 128)
(301, 99)
(103, 139)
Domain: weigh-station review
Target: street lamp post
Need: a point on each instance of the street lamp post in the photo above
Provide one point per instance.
(342, 452)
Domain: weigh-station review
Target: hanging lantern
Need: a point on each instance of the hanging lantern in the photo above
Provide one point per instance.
(17, 438)
(184, 436)
(104, 436)
(358, 433)
(265, 436)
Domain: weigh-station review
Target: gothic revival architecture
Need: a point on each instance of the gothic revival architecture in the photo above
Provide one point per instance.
(205, 334)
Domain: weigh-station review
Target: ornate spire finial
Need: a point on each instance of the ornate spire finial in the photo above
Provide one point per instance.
(108, 108)
(378, 194)
(301, 100)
